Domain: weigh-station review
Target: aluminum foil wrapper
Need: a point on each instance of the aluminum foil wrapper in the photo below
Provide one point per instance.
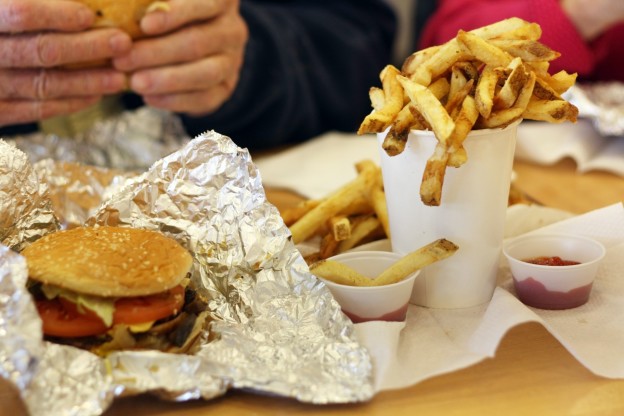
(603, 103)
(26, 212)
(126, 141)
(275, 328)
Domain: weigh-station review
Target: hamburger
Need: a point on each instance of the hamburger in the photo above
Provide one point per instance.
(111, 288)
(124, 14)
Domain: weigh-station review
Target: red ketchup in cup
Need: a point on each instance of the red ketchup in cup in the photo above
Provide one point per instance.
(553, 271)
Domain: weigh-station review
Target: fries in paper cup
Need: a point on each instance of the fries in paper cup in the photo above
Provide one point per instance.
(371, 303)
(507, 68)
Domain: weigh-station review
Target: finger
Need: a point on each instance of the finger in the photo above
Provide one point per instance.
(33, 15)
(193, 103)
(54, 49)
(16, 112)
(183, 12)
(185, 45)
(188, 77)
(53, 84)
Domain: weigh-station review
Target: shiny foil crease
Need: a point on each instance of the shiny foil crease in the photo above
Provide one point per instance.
(603, 103)
(275, 328)
(26, 212)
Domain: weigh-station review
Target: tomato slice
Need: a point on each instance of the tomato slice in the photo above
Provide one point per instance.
(62, 319)
(141, 309)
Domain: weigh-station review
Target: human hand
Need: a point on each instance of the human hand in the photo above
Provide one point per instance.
(192, 62)
(593, 17)
(36, 38)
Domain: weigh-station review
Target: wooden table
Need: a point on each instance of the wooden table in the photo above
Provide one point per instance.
(532, 373)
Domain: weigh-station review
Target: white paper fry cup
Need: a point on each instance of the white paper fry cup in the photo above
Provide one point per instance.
(471, 214)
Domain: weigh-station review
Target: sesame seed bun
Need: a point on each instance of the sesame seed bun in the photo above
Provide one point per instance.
(108, 261)
(124, 14)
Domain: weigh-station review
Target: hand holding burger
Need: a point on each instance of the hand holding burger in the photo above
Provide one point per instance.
(191, 58)
(37, 38)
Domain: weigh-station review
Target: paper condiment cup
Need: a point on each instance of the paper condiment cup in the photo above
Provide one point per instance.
(372, 303)
(548, 286)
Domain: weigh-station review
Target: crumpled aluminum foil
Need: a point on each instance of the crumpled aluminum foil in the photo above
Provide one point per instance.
(129, 140)
(603, 103)
(26, 212)
(276, 329)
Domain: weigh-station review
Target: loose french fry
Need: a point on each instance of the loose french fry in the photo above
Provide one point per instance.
(394, 142)
(543, 91)
(555, 111)
(473, 45)
(455, 101)
(416, 260)
(359, 206)
(469, 69)
(328, 247)
(438, 63)
(540, 68)
(430, 107)
(501, 118)
(508, 29)
(484, 93)
(526, 93)
(433, 176)
(530, 31)
(377, 98)
(464, 123)
(417, 58)
(378, 201)
(292, 214)
(439, 88)
(560, 82)
(338, 273)
(458, 80)
(507, 95)
(528, 50)
(419, 120)
(360, 231)
(379, 120)
(341, 227)
(332, 205)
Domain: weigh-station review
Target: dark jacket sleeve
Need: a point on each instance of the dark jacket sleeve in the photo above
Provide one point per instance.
(308, 68)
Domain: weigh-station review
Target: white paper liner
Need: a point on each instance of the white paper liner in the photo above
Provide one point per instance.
(437, 341)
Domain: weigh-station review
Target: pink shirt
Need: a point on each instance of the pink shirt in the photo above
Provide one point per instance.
(601, 59)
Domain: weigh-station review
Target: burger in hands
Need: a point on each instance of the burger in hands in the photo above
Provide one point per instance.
(123, 14)
(112, 288)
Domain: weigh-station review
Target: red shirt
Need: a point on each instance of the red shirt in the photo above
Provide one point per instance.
(600, 59)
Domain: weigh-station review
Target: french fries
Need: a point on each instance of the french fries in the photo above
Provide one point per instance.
(502, 67)
(341, 202)
(416, 260)
(408, 264)
(352, 215)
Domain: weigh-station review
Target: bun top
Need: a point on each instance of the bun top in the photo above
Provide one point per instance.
(124, 14)
(108, 261)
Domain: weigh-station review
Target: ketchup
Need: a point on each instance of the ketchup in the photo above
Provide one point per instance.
(551, 261)
(394, 316)
(534, 293)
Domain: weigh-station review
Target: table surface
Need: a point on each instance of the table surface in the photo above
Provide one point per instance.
(532, 373)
